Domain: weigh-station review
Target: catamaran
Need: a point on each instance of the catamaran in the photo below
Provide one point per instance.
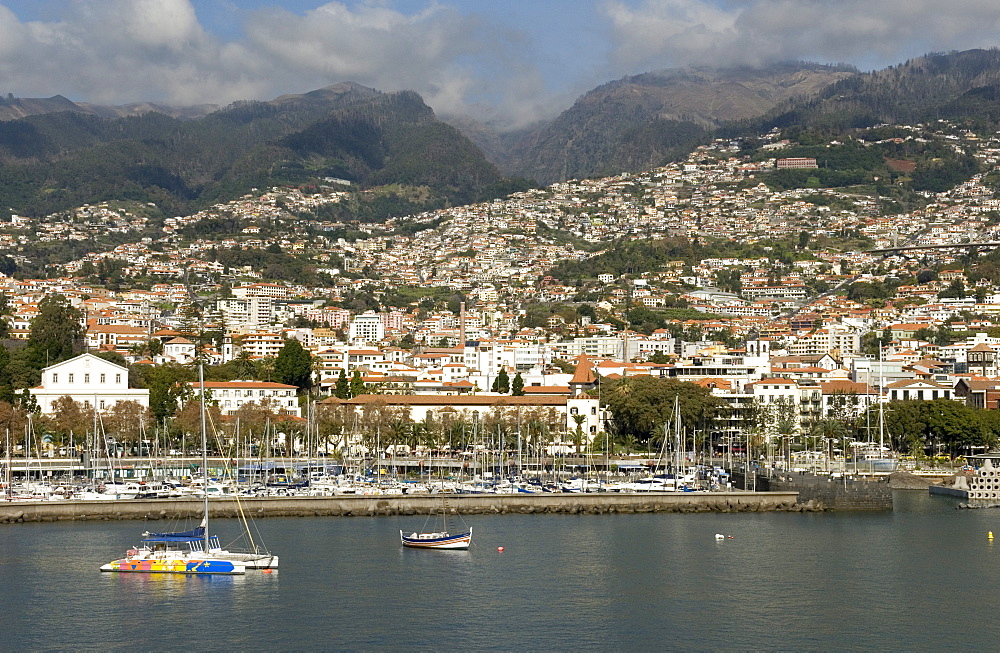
(193, 551)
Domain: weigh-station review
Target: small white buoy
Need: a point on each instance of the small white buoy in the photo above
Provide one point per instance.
(720, 536)
(499, 549)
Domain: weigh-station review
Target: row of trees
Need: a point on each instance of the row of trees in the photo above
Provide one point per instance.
(641, 406)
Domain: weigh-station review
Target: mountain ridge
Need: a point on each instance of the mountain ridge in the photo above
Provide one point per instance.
(69, 152)
(52, 161)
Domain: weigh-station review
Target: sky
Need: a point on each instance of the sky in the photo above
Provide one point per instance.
(510, 62)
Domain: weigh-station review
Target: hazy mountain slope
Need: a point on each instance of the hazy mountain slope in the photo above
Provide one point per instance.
(952, 85)
(58, 160)
(640, 121)
(12, 108)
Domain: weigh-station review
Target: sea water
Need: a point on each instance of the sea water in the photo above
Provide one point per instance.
(923, 577)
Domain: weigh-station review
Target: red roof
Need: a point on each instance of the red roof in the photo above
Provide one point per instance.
(244, 385)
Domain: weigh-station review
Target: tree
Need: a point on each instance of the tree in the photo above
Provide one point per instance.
(357, 386)
(294, 365)
(333, 422)
(128, 421)
(923, 427)
(502, 383)
(13, 419)
(68, 416)
(517, 385)
(56, 332)
(641, 405)
(4, 311)
(955, 290)
(168, 386)
(254, 419)
(188, 418)
(343, 387)
(578, 432)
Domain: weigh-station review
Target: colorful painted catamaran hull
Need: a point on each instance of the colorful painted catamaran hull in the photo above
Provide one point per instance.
(437, 540)
(174, 565)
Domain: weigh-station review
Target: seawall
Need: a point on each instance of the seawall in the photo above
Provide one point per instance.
(825, 493)
(370, 506)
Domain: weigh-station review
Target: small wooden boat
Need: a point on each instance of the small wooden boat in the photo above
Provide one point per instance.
(441, 540)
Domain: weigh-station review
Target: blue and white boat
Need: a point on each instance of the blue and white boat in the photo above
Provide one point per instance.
(440, 540)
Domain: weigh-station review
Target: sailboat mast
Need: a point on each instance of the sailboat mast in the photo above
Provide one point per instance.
(10, 478)
(204, 450)
(881, 385)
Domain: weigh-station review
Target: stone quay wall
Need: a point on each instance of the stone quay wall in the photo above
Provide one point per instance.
(370, 506)
(825, 493)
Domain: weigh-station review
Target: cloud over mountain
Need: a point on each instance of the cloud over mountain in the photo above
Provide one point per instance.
(867, 33)
(462, 56)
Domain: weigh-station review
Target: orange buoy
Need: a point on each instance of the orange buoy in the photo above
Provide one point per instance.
(267, 571)
(499, 549)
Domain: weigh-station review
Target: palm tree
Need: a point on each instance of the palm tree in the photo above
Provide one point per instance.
(578, 432)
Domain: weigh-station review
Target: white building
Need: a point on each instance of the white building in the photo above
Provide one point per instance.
(233, 395)
(89, 380)
(180, 350)
(367, 327)
(255, 312)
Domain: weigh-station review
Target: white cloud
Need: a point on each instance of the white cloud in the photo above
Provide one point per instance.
(370, 44)
(656, 34)
(118, 51)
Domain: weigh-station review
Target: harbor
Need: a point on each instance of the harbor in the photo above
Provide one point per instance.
(596, 583)
(57, 490)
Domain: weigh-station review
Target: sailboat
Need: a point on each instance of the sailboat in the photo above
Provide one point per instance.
(439, 539)
(193, 551)
(193, 543)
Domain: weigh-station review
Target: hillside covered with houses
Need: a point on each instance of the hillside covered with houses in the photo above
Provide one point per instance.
(785, 304)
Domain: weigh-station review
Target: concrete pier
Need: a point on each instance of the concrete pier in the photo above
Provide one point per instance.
(370, 506)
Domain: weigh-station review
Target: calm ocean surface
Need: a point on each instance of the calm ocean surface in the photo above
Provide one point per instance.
(923, 577)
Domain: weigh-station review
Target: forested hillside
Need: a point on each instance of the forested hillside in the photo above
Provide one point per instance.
(54, 161)
(956, 85)
(645, 120)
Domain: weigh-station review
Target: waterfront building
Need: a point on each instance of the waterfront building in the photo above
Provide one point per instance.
(90, 381)
(477, 408)
(921, 389)
(230, 396)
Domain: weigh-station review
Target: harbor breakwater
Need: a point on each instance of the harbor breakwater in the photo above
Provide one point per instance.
(827, 493)
(372, 506)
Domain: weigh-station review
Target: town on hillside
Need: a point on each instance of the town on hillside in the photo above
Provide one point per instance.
(795, 310)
